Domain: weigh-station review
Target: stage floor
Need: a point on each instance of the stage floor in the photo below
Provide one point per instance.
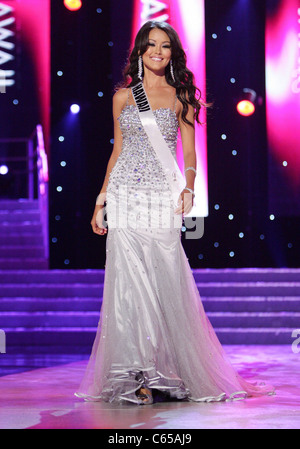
(43, 399)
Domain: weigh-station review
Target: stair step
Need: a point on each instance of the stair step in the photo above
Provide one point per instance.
(52, 276)
(211, 305)
(20, 362)
(249, 288)
(19, 216)
(17, 263)
(90, 319)
(37, 336)
(254, 319)
(50, 304)
(8, 232)
(61, 338)
(21, 203)
(210, 275)
(48, 349)
(49, 319)
(24, 226)
(46, 290)
(247, 275)
(255, 336)
(21, 252)
(54, 290)
(252, 304)
(204, 278)
(12, 239)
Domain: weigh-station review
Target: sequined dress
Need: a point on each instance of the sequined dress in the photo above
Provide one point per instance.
(152, 328)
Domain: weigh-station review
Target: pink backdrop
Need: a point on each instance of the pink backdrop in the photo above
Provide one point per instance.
(283, 88)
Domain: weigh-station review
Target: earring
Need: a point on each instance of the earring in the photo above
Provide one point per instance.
(140, 68)
(172, 70)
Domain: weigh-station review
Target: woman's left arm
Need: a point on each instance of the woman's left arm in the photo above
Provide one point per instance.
(189, 154)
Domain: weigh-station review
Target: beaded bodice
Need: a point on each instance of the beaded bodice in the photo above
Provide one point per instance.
(137, 164)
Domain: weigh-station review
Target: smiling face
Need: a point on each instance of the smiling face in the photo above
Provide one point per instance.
(158, 54)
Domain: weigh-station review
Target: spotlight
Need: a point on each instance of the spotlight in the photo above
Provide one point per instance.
(3, 170)
(73, 5)
(246, 106)
(75, 108)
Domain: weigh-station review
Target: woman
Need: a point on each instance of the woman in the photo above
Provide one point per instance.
(153, 333)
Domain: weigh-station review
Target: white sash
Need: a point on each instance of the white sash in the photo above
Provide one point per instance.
(163, 152)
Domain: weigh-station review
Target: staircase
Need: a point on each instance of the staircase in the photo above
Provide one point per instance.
(21, 235)
(251, 306)
(57, 311)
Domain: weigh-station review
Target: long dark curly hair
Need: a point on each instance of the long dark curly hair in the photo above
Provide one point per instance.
(186, 91)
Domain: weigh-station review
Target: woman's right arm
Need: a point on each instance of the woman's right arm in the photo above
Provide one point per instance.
(119, 101)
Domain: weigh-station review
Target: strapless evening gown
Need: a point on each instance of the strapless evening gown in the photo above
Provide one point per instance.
(153, 328)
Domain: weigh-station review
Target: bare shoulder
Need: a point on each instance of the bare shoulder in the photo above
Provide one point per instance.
(120, 97)
(119, 102)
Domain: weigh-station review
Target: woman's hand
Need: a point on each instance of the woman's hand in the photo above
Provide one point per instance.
(185, 201)
(97, 221)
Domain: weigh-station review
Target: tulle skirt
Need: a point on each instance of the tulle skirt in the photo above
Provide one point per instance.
(153, 329)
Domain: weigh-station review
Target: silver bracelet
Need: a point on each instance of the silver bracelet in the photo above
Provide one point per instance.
(191, 168)
(190, 190)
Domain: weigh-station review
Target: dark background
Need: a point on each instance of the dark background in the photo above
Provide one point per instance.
(91, 48)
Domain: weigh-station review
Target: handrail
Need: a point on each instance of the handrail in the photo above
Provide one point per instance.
(43, 178)
(42, 153)
(37, 162)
